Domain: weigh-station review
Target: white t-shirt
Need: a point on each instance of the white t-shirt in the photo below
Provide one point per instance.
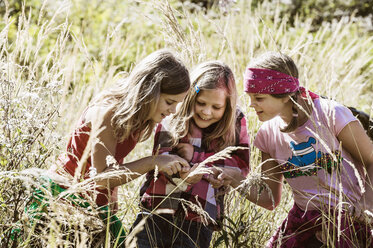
(301, 153)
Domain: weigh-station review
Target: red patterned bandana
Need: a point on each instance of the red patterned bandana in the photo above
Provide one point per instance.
(265, 81)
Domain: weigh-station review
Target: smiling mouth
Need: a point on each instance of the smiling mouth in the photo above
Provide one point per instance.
(203, 118)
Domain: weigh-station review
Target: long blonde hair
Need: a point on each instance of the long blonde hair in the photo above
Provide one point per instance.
(209, 75)
(134, 98)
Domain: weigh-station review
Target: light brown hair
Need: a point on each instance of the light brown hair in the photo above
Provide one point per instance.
(135, 97)
(209, 75)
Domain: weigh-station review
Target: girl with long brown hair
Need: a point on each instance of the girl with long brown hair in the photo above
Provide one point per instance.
(110, 128)
(207, 122)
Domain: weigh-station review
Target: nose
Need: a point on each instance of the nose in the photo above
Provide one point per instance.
(172, 109)
(206, 111)
(252, 104)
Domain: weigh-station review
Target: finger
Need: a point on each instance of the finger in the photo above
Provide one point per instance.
(168, 171)
(192, 177)
(177, 166)
(213, 171)
(214, 181)
(218, 171)
(194, 167)
(173, 169)
(223, 176)
(216, 185)
(184, 163)
(185, 168)
(227, 182)
(180, 146)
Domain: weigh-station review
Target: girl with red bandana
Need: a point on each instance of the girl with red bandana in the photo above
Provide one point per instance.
(321, 150)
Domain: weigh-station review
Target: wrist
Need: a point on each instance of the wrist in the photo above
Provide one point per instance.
(154, 161)
(235, 183)
(236, 177)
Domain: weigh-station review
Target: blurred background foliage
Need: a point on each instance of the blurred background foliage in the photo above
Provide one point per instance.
(326, 11)
(319, 10)
(97, 17)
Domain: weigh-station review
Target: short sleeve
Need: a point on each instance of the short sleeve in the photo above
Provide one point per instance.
(261, 139)
(338, 116)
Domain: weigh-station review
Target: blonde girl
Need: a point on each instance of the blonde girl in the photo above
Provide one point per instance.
(113, 124)
(321, 150)
(207, 122)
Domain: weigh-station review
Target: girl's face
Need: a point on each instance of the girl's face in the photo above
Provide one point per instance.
(166, 106)
(209, 107)
(268, 107)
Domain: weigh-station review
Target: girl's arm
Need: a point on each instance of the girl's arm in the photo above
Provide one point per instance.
(358, 144)
(103, 145)
(271, 176)
(169, 164)
(239, 158)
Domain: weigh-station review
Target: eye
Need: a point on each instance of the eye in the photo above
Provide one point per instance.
(217, 108)
(169, 103)
(201, 103)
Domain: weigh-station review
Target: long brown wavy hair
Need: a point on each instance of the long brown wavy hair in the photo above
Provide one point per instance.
(135, 97)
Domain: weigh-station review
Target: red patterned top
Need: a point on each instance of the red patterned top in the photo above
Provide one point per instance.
(75, 149)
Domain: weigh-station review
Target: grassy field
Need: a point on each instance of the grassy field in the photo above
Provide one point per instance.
(56, 55)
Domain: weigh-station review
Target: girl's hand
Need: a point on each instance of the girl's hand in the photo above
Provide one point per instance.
(215, 183)
(192, 179)
(224, 177)
(360, 146)
(213, 177)
(171, 164)
(185, 150)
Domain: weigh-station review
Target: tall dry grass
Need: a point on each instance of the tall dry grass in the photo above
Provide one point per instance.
(52, 63)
